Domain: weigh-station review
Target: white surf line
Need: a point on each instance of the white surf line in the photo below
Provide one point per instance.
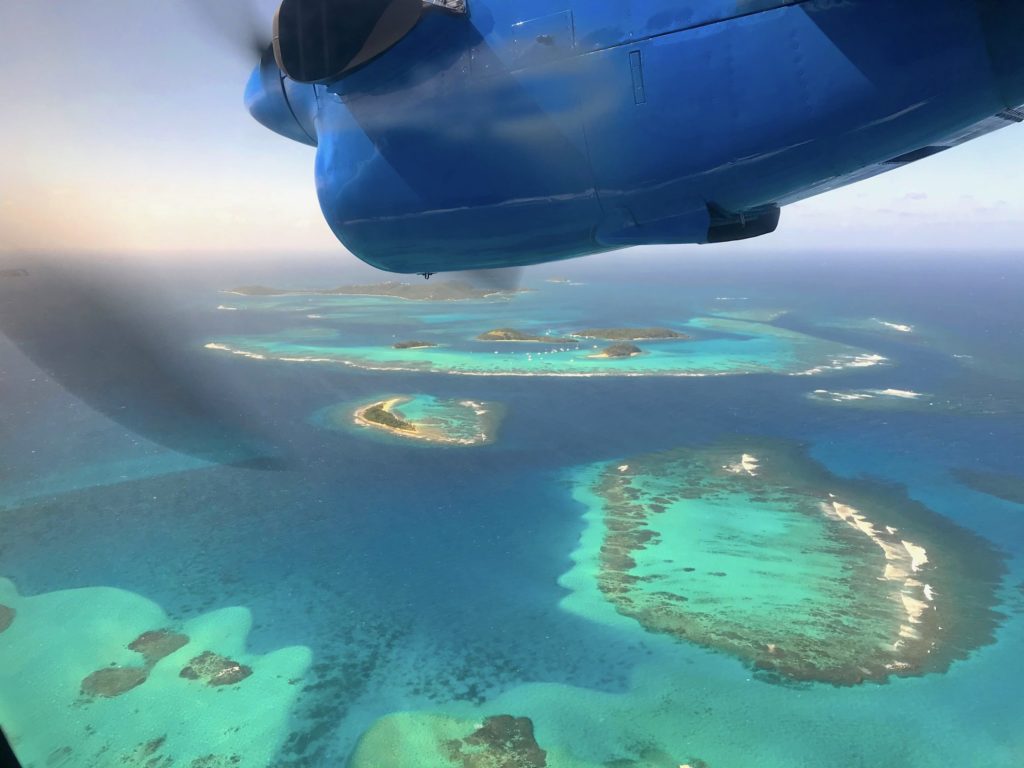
(901, 327)
(905, 394)
(747, 465)
(903, 561)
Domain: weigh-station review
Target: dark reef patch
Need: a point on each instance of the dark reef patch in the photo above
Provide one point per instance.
(113, 681)
(6, 617)
(216, 761)
(157, 644)
(214, 669)
(503, 741)
(153, 646)
(1002, 486)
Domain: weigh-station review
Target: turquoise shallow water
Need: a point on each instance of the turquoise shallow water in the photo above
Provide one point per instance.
(389, 596)
(722, 346)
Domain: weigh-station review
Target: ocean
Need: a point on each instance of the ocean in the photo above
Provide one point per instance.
(400, 602)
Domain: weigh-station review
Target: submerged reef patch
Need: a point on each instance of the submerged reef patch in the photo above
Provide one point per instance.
(503, 741)
(156, 644)
(754, 549)
(114, 681)
(1002, 486)
(430, 740)
(214, 669)
(6, 617)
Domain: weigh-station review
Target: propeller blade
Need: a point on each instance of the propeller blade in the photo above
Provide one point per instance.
(110, 345)
(238, 24)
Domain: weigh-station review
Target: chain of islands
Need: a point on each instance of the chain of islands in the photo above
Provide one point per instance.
(468, 342)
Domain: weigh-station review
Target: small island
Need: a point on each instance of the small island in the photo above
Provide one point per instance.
(630, 334)
(420, 417)
(512, 334)
(381, 415)
(618, 351)
(434, 290)
(413, 345)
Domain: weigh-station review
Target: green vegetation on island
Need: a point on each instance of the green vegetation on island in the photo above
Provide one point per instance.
(512, 334)
(629, 334)
(413, 345)
(453, 290)
(422, 417)
(380, 413)
(621, 350)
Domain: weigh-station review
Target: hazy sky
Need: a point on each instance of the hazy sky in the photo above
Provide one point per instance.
(123, 130)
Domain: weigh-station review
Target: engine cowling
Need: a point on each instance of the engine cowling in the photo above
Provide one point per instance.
(318, 41)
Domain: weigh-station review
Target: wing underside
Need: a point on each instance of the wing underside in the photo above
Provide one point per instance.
(989, 125)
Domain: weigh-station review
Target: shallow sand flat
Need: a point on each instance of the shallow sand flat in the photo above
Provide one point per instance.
(59, 638)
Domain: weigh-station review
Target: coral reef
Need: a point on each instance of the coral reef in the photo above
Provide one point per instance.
(755, 550)
(503, 741)
(113, 681)
(214, 669)
(157, 644)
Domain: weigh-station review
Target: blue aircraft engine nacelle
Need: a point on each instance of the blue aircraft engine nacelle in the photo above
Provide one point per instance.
(469, 134)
